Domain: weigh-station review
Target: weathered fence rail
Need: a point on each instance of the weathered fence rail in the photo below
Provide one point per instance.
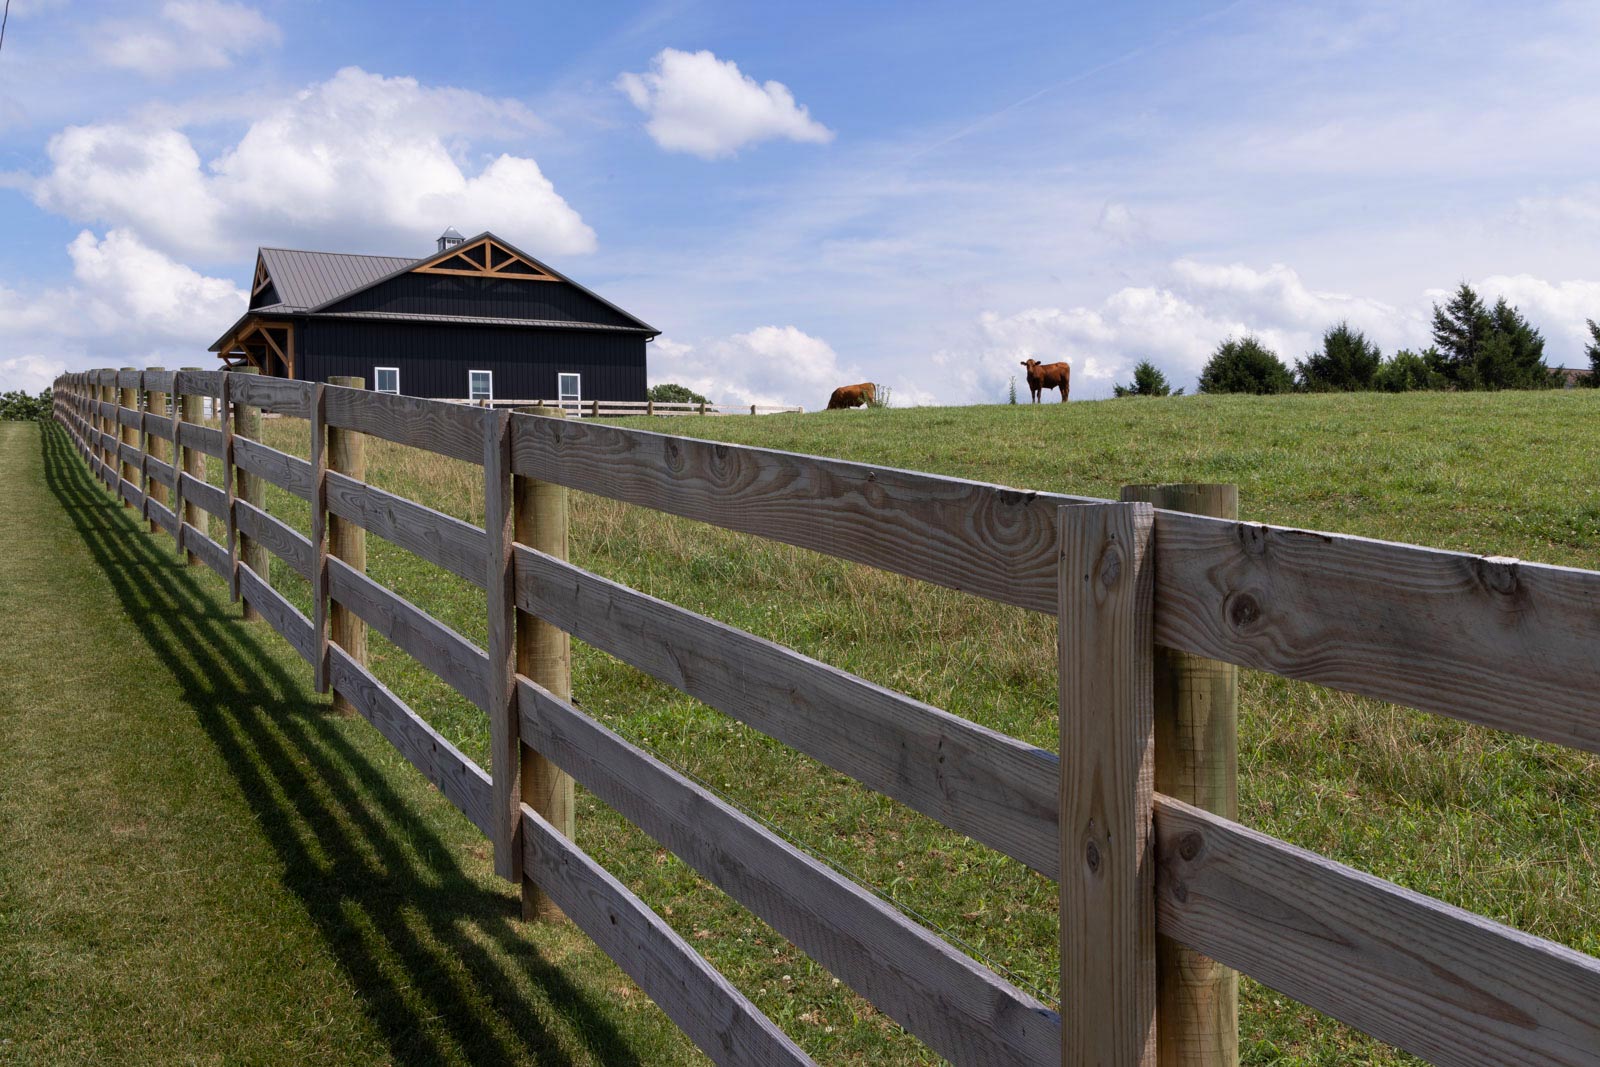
(1491, 641)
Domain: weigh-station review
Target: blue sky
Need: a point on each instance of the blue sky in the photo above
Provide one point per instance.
(803, 195)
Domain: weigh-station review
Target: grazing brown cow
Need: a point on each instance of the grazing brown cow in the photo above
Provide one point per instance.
(1042, 376)
(853, 396)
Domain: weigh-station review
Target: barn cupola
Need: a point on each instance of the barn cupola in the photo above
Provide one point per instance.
(450, 238)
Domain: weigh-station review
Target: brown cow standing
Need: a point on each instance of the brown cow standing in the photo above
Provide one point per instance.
(852, 396)
(1042, 376)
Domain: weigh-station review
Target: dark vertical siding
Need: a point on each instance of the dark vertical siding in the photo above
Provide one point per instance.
(434, 358)
(445, 294)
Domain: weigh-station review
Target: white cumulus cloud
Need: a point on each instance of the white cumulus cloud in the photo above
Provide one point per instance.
(1176, 326)
(703, 105)
(191, 35)
(768, 365)
(1560, 310)
(359, 162)
(127, 305)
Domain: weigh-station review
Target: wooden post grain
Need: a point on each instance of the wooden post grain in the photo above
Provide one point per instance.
(127, 397)
(104, 425)
(319, 540)
(1105, 644)
(251, 490)
(505, 725)
(544, 654)
(156, 404)
(194, 464)
(347, 455)
(1196, 761)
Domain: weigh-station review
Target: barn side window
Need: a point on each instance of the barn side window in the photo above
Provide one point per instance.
(480, 385)
(386, 379)
(569, 389)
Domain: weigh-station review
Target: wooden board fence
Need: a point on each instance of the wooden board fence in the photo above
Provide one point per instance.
(1496, 642)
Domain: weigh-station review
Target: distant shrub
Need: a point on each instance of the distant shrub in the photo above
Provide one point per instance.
(673, 393)
(1408, 372)
(1147, 381)
(881, 397)
(1245, 365)
(1011, 391)
(17, 406)
(1345, 364)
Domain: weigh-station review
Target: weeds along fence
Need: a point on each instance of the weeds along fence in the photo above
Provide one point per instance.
(1161, 891)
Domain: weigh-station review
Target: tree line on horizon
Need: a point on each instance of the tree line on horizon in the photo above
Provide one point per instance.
(1475, 346)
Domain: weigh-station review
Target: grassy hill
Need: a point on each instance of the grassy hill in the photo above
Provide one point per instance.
(1502, 826)
(1499, 825)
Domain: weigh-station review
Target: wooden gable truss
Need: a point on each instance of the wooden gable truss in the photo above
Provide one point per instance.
(257, 343)
(263, 279)
(486, 258)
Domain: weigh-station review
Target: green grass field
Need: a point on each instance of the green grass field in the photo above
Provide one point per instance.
(1502, 826)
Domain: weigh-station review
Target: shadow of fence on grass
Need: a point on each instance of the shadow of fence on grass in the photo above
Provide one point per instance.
(408, 925)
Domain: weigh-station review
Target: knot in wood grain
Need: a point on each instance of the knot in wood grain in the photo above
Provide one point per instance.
(1091, 856)
(1108, 569)
(1242, 610)
(1190, 844)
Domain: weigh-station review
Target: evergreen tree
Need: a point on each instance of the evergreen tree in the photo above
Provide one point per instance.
(1147, 381)
(1513, 353)
(1487, 348)
(1346, 363)
(1459, 329)
(1593, 352)
(1245, 365)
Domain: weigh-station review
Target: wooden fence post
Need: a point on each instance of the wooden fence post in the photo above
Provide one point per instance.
(594, 409)
(250, 489)
(650, 406)
(319, 539)
(347, 455)
(505, 724)
(156, 404)
(194, 464)
(103, 426)
(544, 654)
(1105, 644)
(1197, 750)
(127, 397)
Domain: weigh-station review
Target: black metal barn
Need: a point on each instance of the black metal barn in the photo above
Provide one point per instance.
(477, 319)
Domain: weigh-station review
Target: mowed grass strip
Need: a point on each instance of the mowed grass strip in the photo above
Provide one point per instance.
(199, 863)
(1500, 825)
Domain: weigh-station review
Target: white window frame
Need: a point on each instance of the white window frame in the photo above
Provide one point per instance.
(377, 378)
(474, 397)
(577, 395)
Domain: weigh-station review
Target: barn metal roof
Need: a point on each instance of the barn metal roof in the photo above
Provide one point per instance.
(308, 283)
(478, 320)
(306, 279)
